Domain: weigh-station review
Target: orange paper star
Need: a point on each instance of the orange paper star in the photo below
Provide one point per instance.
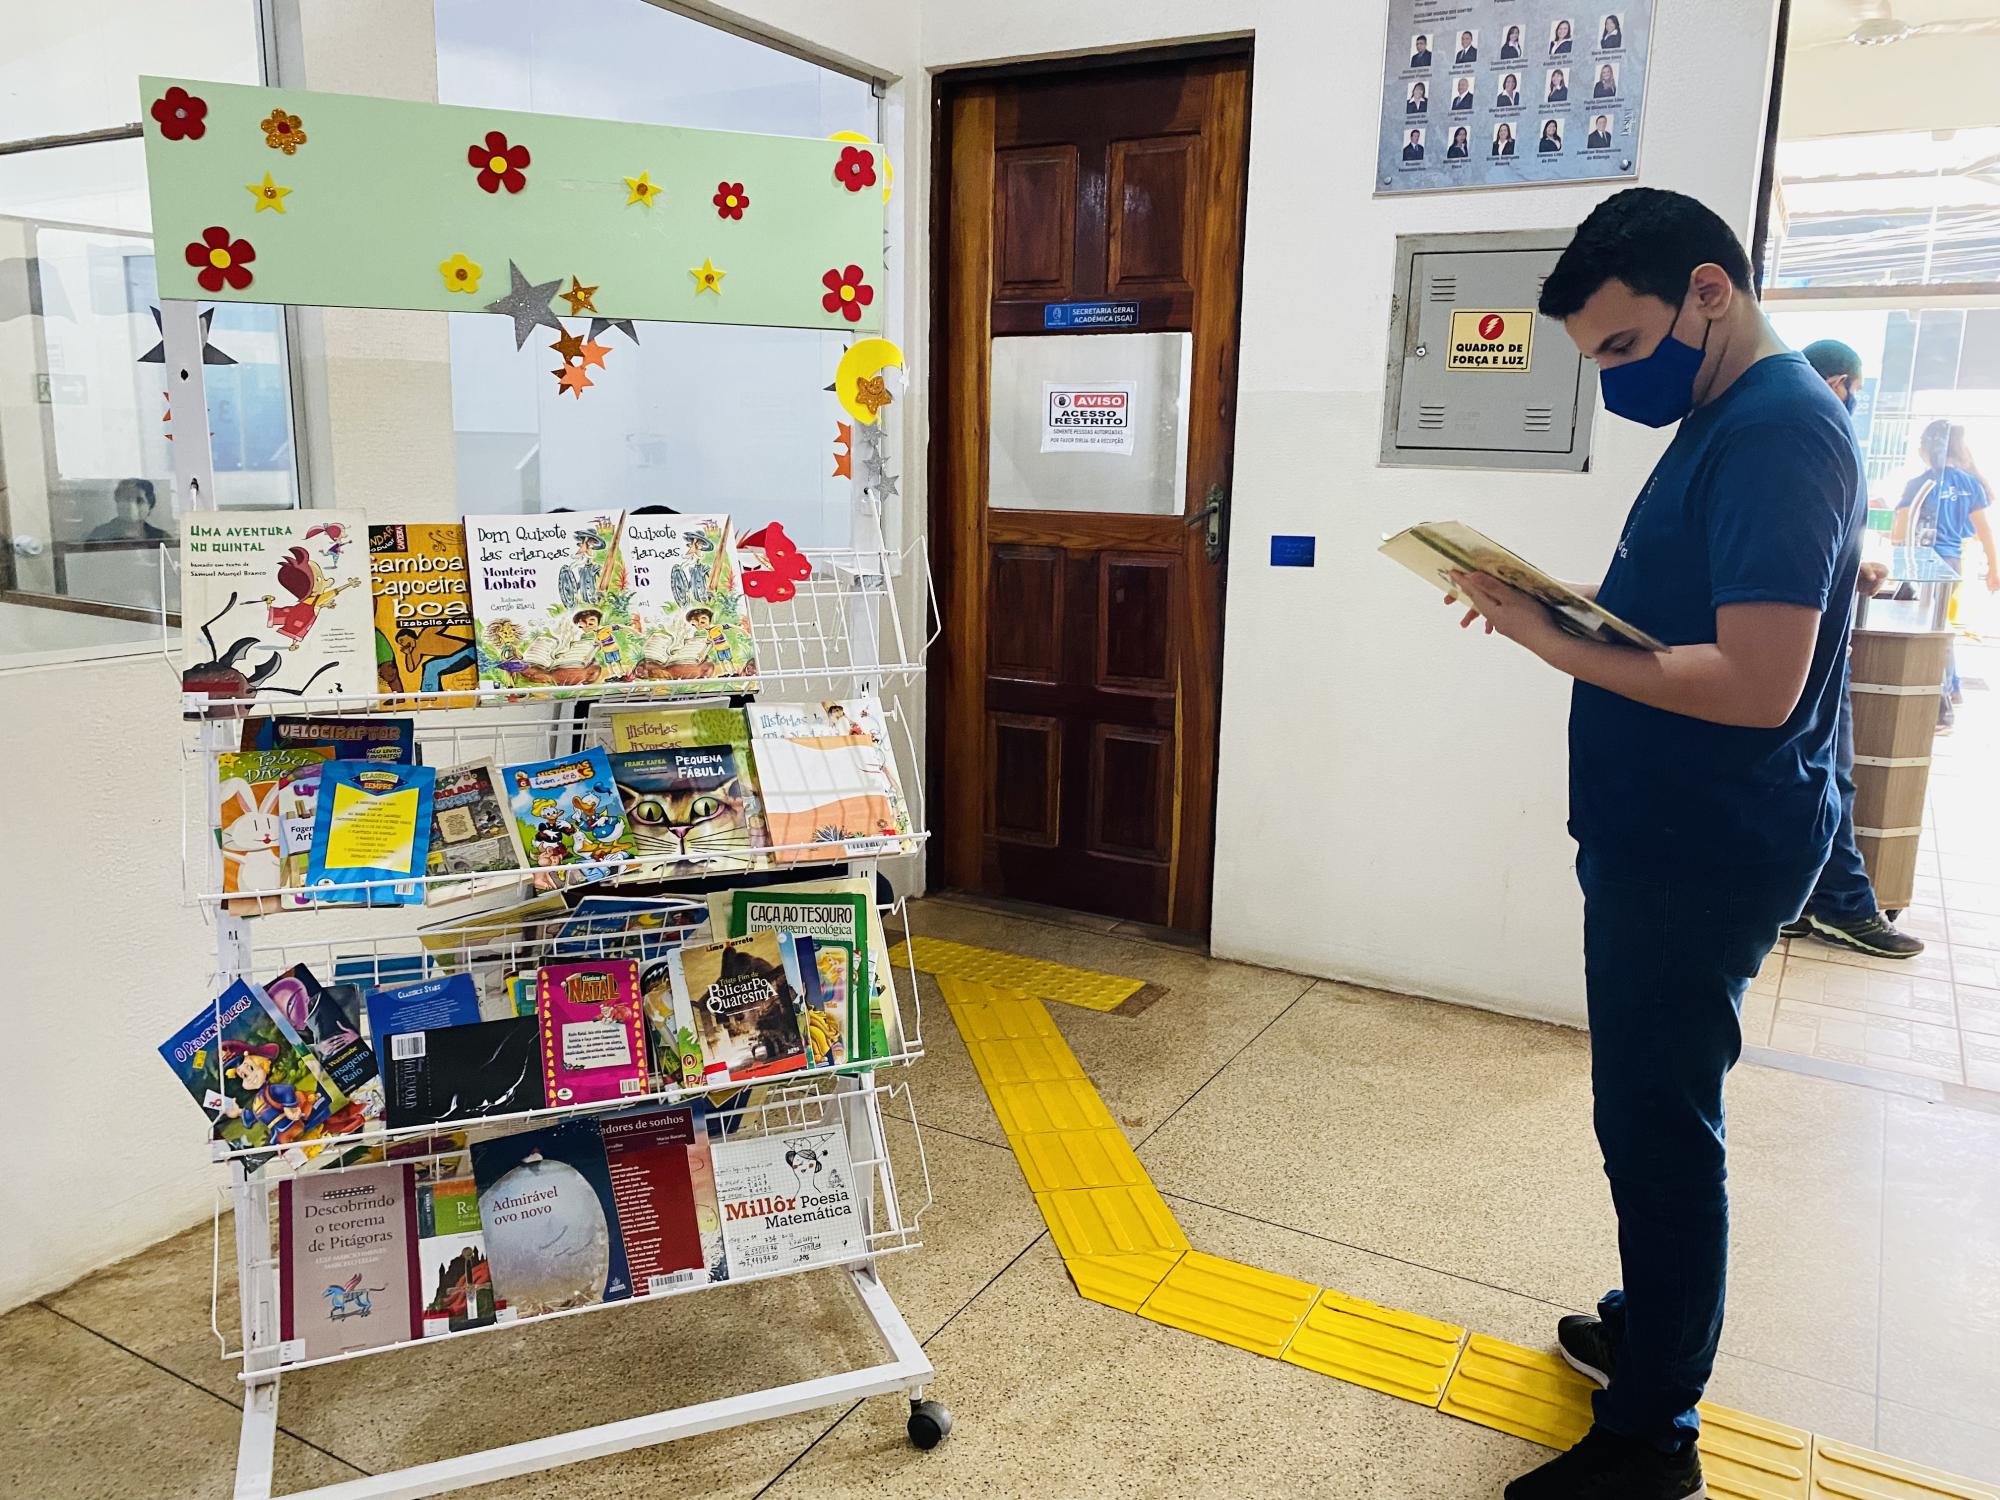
(872, 391)
(578, 297)
(592, 353)
(569, 346)
(572, 379)
(843, 461)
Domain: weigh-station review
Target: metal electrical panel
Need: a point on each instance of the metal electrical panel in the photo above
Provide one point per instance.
(1478, 378)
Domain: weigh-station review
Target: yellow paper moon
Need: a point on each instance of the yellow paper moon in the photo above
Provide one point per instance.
(888, 167)
(866, 357)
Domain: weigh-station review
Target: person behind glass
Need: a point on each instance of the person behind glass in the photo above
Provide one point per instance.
(1941, 509)
(1460, 147)
(1503, 139)
(1414, 150)
(1613, 38)
(1419, 101)
(1420, 53)
(1560, 44)
(1467, 52)
(1552, 138)
(133, 500)
(1600, 134)
(1842, 909)
(1462, 95)
(1606, 86)
(1558, 87)
(1510, 49)
(1702, 795)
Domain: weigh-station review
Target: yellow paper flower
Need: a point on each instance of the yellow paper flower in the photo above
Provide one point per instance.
(283, 132)
(460, 274)
(642, 190)
(707, 278)
(267, 193)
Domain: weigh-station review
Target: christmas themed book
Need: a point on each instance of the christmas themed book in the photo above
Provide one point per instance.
(652, 1185)
(371, 834)
(688, 606)
(788, 1200)
(571, 821)
(745, 1001)
(424, 637)
(828, 781)
(464, 1072)
(275, 601)
(550, 1218)
(260, 797)
(552, 599)
(347, 1261)
(689, 805)
(473, 833)
(593, 1038)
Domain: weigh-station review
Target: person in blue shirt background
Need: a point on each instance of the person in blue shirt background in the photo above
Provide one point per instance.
(1942, 508)
(1702, 795)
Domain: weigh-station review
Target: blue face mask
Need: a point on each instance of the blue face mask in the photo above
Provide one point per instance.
(1658, 390)
(1849, 402)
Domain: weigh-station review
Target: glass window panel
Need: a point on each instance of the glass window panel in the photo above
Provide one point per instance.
(1027, 467)
(87, 498)
(76, 67)
(698, 418)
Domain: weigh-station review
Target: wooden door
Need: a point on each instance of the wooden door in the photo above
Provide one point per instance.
(1073, 725)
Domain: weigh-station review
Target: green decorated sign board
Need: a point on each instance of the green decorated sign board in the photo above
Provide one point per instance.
(281, 196)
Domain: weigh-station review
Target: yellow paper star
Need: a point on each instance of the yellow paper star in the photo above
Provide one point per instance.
(707, 278)
(578, 297)
(460, 274)
(267, 193)
(643, 191)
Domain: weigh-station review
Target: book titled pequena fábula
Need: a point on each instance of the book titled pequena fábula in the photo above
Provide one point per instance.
(1434, 550)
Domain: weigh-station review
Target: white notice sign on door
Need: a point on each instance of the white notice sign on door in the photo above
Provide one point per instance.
(1087, 418)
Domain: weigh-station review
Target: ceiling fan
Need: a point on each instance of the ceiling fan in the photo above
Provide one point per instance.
(1877, 25)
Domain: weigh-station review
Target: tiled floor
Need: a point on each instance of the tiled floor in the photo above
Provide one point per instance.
(1429, 1157)
(1936, 1016)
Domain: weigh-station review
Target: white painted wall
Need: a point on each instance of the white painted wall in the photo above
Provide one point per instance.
(1408, 781)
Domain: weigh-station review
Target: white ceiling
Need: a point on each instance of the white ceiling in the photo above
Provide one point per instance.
(1922, 83)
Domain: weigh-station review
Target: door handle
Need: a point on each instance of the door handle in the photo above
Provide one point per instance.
(1214, 515)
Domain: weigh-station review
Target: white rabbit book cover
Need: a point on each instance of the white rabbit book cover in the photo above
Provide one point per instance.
(278, 599)
(256, 792)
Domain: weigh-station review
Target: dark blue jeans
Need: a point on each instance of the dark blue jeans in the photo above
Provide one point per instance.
(1844, 894)
(1667, 959)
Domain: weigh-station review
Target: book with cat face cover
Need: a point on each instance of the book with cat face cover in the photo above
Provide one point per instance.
(745, 998)
(628, 730)
(593, 1040)
(688, 805)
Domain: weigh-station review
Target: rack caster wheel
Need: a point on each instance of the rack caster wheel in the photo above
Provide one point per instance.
(930, 1423)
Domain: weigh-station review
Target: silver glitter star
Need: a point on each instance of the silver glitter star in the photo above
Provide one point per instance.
(887, 487)
(527, 304)
(623, 325)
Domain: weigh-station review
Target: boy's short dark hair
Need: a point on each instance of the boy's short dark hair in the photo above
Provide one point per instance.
(1832, 359)
(1651, 240)
(587, 614)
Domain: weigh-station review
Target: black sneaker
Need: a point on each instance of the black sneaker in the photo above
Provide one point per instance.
(1588, 1347)
(1799, 929)
(1873, 935)
(1605, 1466)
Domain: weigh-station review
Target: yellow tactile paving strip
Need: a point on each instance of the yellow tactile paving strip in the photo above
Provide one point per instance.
(1035, 977)
(1124, 1249)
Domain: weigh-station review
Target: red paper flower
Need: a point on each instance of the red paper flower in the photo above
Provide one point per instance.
(222, 261)
(499, 163)
(182, 116)
(730, 200)
(846, 293)
(855, 170)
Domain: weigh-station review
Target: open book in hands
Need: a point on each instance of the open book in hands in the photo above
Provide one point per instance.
(1437, 548)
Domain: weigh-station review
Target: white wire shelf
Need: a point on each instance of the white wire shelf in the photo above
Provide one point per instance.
(844, 624)
(393, 957)
(893, 1214)
(514, 735)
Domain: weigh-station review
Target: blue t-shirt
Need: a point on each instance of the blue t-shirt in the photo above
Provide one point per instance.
(1943, 500)
(1759, 498)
